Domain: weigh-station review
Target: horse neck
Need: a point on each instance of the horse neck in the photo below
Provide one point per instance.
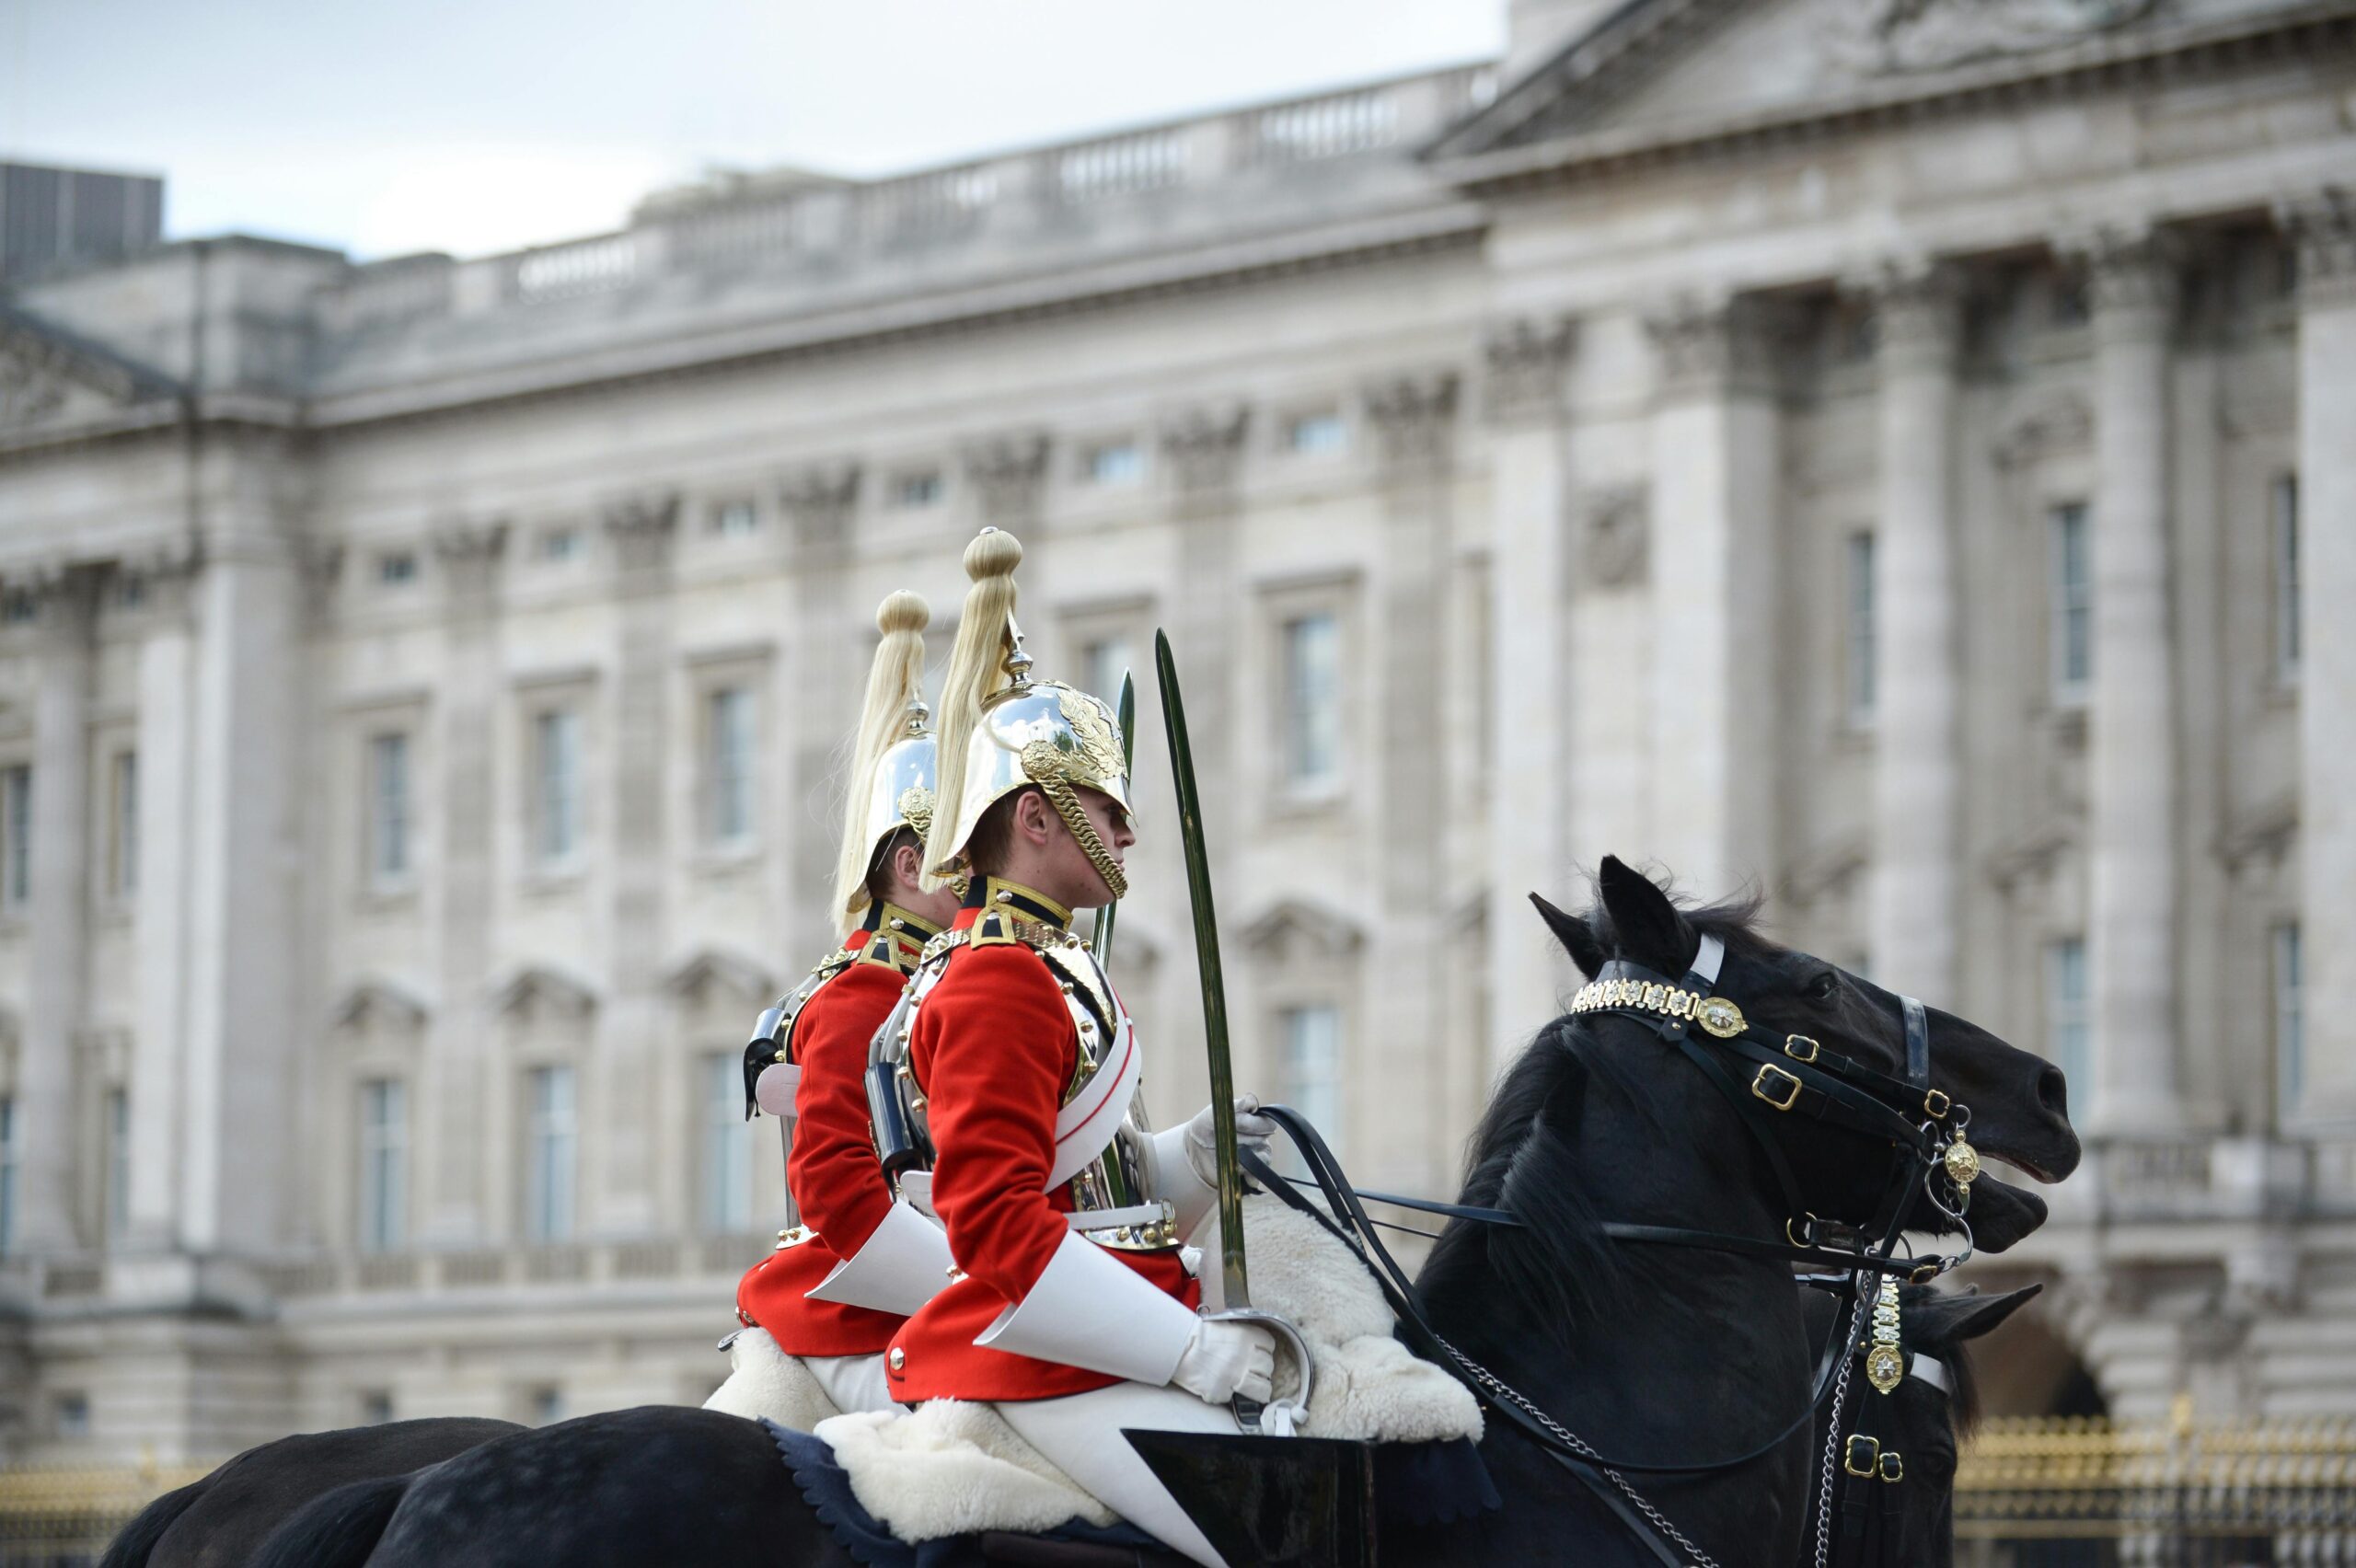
(1699, 1356)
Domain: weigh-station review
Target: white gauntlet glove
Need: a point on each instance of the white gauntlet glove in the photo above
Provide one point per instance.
(1226, 1359)
(1253, 1131)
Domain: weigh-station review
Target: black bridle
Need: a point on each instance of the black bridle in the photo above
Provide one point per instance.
(1795, 1076)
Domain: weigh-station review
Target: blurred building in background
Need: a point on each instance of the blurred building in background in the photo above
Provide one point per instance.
(51, 219)
(1861, 448)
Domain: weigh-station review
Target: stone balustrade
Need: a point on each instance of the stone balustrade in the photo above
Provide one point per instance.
(1038, 192)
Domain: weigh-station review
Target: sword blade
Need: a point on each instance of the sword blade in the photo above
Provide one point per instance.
(1101, 938)
(1232, 1273)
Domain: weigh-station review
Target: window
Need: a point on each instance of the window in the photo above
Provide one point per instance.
(1313, 701)
(2285, 507)
(384, 1164)
(2073, 633)
(558, 544)
(549, 1138)
(727, 1195)
(546, 1404)
(1316, 434)
(917, 487)
(123, 824)
(130, 592)
(1115, 463)
(2289, 1022)
(117, 1180)
(395, 568)
(735, 518)
(388, 809)
(8, 1174)
(1103, 664)
(1857, 650)
(728, 764)
(376, 1406)
(71, 1415)
(1311, 1072)
(556, 775)
(2068, 1035)
(18, 607)
(17, 836)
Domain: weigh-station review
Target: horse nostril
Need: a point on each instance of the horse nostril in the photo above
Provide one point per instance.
(2053, 1091)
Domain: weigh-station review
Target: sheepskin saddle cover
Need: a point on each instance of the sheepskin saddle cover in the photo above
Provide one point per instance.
(950, 1468)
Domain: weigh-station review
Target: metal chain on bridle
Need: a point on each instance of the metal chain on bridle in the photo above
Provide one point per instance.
(1839, 1090)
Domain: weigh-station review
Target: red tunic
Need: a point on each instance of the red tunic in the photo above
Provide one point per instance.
(994, 1049)
(835, 1179)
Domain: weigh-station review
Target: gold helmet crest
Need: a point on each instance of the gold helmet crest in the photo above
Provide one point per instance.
(1001, 731)
(892, 768)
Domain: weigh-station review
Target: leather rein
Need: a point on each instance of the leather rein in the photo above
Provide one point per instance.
(1795, 1075)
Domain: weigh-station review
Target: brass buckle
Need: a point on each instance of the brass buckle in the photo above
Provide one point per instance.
(1809, 1224)
(1893, 1466)
(1924, 1275)
(1937, 1104)
(1792, 1043)
(1759, 1088)
(1860, 1444)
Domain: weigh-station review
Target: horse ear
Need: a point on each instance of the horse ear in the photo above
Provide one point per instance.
(1959, 1320)
(1577, 940)
(1650, 929)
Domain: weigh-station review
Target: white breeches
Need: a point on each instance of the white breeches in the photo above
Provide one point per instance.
(854, 1382)
(1081, 1435)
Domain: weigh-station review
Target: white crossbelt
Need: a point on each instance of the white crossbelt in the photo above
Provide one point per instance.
(917, 1187)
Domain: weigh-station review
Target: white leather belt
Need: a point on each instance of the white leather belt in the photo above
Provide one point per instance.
(917, 1187)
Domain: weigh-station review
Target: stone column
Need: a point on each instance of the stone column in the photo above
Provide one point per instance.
(826, 679)
(246, 950)
(2325, 229)
(631, 1022)
(1717, 481)
(468, 553)
(1531, 577)
(57, 914)
(2133, 754)
(1210, 620)
(1415, 424)
(1917, 771)
(166, 758)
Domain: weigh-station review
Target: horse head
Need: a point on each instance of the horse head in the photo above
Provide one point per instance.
(2018, 1100)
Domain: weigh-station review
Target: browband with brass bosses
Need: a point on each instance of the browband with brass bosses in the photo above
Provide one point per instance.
(1716, 1015)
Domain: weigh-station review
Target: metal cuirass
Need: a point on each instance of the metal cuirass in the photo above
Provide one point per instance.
(1103, 1157)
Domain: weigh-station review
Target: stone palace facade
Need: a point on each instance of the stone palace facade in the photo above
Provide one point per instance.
(1899, 453)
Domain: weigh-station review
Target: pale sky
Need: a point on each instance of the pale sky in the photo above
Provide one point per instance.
(479, 125)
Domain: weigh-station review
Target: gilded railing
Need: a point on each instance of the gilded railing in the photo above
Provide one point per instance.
(2044, 1478)
(52, 1514)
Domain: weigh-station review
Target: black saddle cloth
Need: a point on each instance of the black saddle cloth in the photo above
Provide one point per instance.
(825, 1487)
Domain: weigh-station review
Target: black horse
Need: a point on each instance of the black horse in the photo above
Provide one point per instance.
(1894, 1483)
(1659, 1356)
(222, 1520)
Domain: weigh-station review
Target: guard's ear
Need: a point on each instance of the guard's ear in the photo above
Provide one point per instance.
(1574, 934)
(1649, 929)
(1959, 1320)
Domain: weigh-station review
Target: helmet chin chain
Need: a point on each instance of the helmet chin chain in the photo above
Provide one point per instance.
(1066, 799)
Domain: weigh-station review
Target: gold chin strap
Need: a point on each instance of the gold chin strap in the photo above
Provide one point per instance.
(1066, 799)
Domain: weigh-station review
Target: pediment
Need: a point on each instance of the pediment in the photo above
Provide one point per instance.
(1295, 928)
(1667, 65)
(537, 991)
(717, 975)
(373, 1005)
(53, 377)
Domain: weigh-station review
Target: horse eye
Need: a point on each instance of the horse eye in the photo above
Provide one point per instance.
(1822, 988)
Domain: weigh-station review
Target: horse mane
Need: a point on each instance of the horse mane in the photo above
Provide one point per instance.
(1914, 1325)
(1518, 1157)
